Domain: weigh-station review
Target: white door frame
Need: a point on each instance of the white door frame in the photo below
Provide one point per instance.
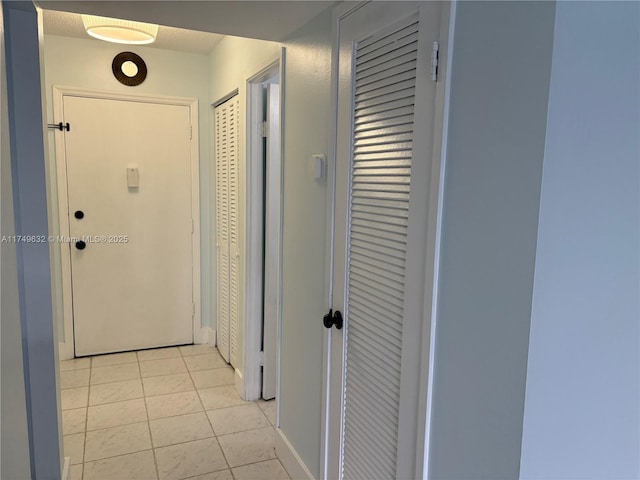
(66, 348)
(434, 198)
(252, 382)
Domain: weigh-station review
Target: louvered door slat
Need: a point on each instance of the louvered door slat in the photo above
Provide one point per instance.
(383, 107)
(385, 81)
(385, 91)
(381, 242)
(384, 422)
(384, 115)
(384, 54)
(379, 203)
(390, 121)
(374, 282)
(385, 349)
(383, 132)
(365, 428)
(366, 312)
(379, 235)
(376, 248)
(383, 101)
(387, 71)
(377, 41)
(379, 209)
(364, 142)
(375, 301)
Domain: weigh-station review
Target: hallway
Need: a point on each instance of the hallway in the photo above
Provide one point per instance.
(169, 414)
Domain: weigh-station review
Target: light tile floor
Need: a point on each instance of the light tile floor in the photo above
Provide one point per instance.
(164, 414)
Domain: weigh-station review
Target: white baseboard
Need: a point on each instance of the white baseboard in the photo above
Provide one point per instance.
(65, 351)
(290, 459)
(239, 383)
(66, 468)
(204, 336)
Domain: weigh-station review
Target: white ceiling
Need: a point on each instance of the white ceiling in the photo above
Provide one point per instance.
(266, 20)
(169, 38)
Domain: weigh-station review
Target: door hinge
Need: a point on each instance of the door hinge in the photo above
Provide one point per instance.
(264, 129)
(261, 359)
(190, 132)
(60, 126)
(193, 310)
(193, 228)
(435, 54)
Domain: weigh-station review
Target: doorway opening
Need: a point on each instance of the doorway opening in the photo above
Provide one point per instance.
(265, 155)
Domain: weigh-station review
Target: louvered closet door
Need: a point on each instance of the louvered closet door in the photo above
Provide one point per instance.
(234, 242)
(227, 256)
(382, 55)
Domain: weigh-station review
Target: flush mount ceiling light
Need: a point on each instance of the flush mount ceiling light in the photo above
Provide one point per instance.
(120, 31)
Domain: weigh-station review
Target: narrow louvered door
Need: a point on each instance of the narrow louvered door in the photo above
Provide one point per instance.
(227, 253)
(383, 95)
(234, 245)
(221, 129)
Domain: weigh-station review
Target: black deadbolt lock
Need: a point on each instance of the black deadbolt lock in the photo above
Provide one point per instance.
(81, 245)
(79, 214)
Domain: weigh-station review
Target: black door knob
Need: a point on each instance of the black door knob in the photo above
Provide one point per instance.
(327, 320)
(81, 245)
(333, 319)
(79, 214)
(337, 319)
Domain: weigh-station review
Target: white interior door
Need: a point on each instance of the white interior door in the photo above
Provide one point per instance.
(227, 224)
(272, 233)
(129, 194)
(384, 141)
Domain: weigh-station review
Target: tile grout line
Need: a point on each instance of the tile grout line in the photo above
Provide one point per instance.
(215, 435)
(86, 418)
(207, 419)
(146, 411)
(168, 416)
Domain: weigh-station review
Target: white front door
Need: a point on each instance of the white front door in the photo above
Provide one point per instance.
(129, 197)
(386, 103)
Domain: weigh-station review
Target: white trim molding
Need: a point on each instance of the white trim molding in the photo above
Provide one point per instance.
(66, 345)
(290, 459)
(205, 336)
(254, 232)
(66, 469)
(239, 382)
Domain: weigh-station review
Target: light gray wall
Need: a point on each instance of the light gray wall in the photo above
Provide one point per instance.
(498, 108)
(307, 124)
(26, 124)
(582, 417)
(14, 436)
(77, 62)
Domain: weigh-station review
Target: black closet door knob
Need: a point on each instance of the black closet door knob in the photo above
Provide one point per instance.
(337, 320)
(81, 245)
(332, 319)
(79, 214)
(327, 320)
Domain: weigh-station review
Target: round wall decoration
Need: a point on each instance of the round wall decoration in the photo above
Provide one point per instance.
(129, 69)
